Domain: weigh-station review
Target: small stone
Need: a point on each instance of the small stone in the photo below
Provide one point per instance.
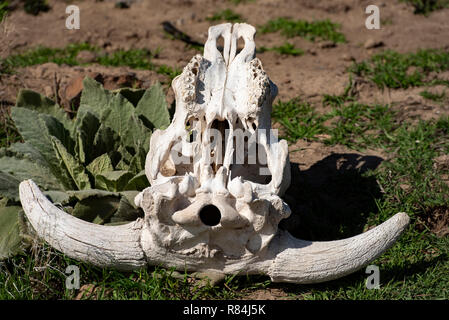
(86, 56)
(48, 91)
(327, 44)
(371, 43)
(131, 35)
(347, 57)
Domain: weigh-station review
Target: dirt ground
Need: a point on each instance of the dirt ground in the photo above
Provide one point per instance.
(321, 70)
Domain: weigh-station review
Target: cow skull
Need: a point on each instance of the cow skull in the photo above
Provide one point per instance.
(217, 174)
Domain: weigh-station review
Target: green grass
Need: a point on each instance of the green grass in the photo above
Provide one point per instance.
(319, 29)
(425, 7)
(225, 15)
(3, 9)
(42, 55)
(437, 97)
(395, 70)
(348, 123)
(286, 48)
(133, 58)
(299, 120)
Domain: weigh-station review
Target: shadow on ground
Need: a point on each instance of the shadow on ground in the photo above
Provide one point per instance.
(332, 199)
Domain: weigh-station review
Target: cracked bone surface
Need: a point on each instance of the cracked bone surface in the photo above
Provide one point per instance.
(217, 175)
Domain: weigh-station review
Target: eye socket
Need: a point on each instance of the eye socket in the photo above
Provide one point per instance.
(210, 215)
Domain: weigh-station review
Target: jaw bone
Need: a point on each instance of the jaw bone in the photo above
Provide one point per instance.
(232, 90)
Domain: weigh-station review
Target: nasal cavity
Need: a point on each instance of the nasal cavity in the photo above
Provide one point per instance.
(210, 215)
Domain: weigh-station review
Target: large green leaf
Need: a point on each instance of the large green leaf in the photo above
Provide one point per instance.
(9, 186)
(10, 239)
(96, 210)
(94, 96)
(75, 170)
(100, 164)
(153, 107)
(56, 196)
(87, 125)
(117, 115)
(26, 150)
(137, 136)
(138, 182)
(79, 195)
(38, 102)
(113, 180)
(127, 210)
(34, 129)
(137, 163)
(24, 169)
(107, 141)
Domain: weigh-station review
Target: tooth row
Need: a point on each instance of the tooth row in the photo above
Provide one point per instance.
(189, 79)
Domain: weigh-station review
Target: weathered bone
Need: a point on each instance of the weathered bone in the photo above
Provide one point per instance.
(205, 209)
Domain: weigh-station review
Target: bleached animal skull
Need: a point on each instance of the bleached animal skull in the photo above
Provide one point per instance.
(214, 202)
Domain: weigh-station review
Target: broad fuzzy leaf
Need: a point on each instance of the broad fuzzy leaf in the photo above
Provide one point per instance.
(9, 186)
(117, 115)
(38, 102)
(10, 240)
(96, 210)
(100, 164)
(126, 210)
(107, 141)
(137, 136)
(34, 128)
(153, 107)
(26, 150)
(113, 180)
(74, 169)
(137, 163)
(87, 125)
(79, 195)
(94, 97)
(138, 182)
(56, 196)
(24, 169)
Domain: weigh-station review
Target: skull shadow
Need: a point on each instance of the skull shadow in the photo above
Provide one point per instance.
(332, 199)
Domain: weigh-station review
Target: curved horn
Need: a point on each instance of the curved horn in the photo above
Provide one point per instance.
(105, 246)
(302, 261)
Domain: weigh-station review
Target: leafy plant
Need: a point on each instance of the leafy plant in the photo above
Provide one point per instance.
(92, 165)
(323, 29)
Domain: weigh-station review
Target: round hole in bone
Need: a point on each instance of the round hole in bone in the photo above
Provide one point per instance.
(210, 215)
